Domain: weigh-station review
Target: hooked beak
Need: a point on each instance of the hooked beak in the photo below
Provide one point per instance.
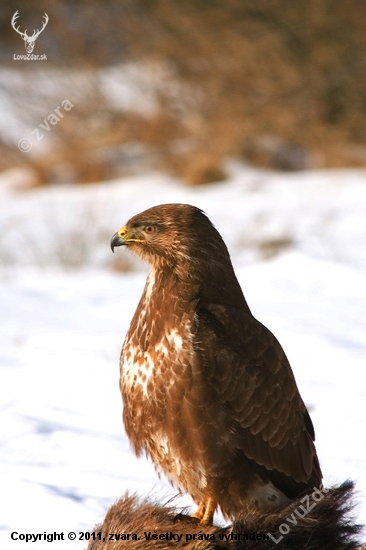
(117, 240)
(122, 237)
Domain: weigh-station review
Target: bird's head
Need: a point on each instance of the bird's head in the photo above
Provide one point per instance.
(171, 234)
(178, 240)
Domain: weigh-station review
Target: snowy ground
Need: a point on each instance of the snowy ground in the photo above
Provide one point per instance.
(298, 246)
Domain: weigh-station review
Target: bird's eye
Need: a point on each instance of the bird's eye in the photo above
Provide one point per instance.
(149, 229)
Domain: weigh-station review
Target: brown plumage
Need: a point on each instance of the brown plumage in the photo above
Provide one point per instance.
(208, 391)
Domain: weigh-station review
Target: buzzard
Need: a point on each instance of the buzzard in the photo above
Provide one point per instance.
(208, 392)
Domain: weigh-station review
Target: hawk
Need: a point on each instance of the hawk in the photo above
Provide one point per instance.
(208, 392)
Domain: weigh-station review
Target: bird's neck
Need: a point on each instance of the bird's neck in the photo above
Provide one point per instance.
(195, 282)
(220, 286)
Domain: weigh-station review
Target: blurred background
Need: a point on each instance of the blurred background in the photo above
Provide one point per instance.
(254, 111)
(180, 86)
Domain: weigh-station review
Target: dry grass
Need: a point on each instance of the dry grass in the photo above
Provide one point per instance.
(279, 83)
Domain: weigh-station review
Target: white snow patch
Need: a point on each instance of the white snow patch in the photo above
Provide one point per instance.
(64, 455)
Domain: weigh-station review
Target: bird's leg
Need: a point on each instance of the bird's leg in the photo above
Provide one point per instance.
(200, 512)
(205, 511)
(210, 508)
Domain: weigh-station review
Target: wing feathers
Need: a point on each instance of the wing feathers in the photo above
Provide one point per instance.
(253, 378)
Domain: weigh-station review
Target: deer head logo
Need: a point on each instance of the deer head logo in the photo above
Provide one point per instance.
(29, 41)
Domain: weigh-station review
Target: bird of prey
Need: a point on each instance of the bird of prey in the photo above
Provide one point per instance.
(208, 392)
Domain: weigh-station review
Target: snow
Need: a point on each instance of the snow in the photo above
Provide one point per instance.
(133, 87)
(297, 243)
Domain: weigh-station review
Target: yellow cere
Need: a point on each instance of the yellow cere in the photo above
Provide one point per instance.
(123, 234)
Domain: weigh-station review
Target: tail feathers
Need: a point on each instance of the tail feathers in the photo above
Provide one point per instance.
(321, 521)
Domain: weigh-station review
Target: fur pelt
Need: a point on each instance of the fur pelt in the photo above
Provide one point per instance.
(326, 526)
